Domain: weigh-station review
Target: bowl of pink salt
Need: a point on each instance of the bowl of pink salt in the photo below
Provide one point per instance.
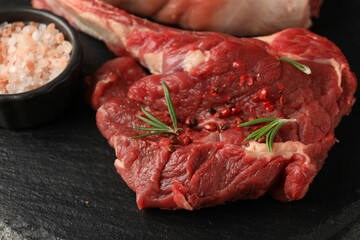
(40, 60)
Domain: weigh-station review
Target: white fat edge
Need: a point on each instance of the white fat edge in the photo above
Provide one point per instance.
(119, 32)
(154, 62)
(336, 65)
(119, 164)
(268, 39)
(194, 58)
(104, 80)
(284, 149)
(102, 110)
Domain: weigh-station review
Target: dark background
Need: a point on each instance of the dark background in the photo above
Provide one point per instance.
(58, 181)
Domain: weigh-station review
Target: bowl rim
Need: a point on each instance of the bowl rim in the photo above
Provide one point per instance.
(75, 57)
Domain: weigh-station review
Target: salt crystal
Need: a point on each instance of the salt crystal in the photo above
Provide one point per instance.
(12, 69)
(26, 29)
(11, 49)
(42, 26)
(67, 47)
(60, 49)
(35, 36)
(12, 41)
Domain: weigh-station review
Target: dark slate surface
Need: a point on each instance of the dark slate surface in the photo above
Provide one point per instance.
(58, 181)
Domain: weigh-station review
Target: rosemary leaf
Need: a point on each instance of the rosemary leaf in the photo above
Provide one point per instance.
(156, 122)
(270, 136)
(265, 129)
(152, 123)
(302, 67)
(170, 105)
(152, 129)
(257, 133)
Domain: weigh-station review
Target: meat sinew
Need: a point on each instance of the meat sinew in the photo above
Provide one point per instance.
(216, 82)
(237, 17)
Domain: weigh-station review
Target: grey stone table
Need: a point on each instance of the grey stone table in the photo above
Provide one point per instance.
(58, 181)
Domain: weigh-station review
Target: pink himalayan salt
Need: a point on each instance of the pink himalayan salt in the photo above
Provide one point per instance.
(31, 55)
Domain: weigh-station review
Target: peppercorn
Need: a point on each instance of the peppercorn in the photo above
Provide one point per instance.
(171, 148)
(212, 111)
(192, 122)
(173, 139)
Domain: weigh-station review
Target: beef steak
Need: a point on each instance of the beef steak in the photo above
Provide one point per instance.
(215, 81)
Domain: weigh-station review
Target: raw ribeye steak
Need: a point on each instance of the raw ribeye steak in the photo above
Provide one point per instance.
(215, 82)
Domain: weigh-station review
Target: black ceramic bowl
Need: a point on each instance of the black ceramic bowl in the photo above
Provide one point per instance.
(43, 104)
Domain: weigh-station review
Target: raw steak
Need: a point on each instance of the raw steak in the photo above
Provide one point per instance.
(237, 17)
(216, 82)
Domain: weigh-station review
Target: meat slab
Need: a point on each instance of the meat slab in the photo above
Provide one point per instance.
(216, 81)
(236, 17)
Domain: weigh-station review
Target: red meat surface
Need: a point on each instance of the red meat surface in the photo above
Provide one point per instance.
(220, 81)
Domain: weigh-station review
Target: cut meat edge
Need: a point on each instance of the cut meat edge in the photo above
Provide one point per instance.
(291, 160)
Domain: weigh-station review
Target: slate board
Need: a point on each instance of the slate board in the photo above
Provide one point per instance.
(58, 181)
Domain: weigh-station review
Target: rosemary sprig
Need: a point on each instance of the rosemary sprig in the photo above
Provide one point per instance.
(157, 126)
(170, 106)
(302, 67)
(269, 130)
